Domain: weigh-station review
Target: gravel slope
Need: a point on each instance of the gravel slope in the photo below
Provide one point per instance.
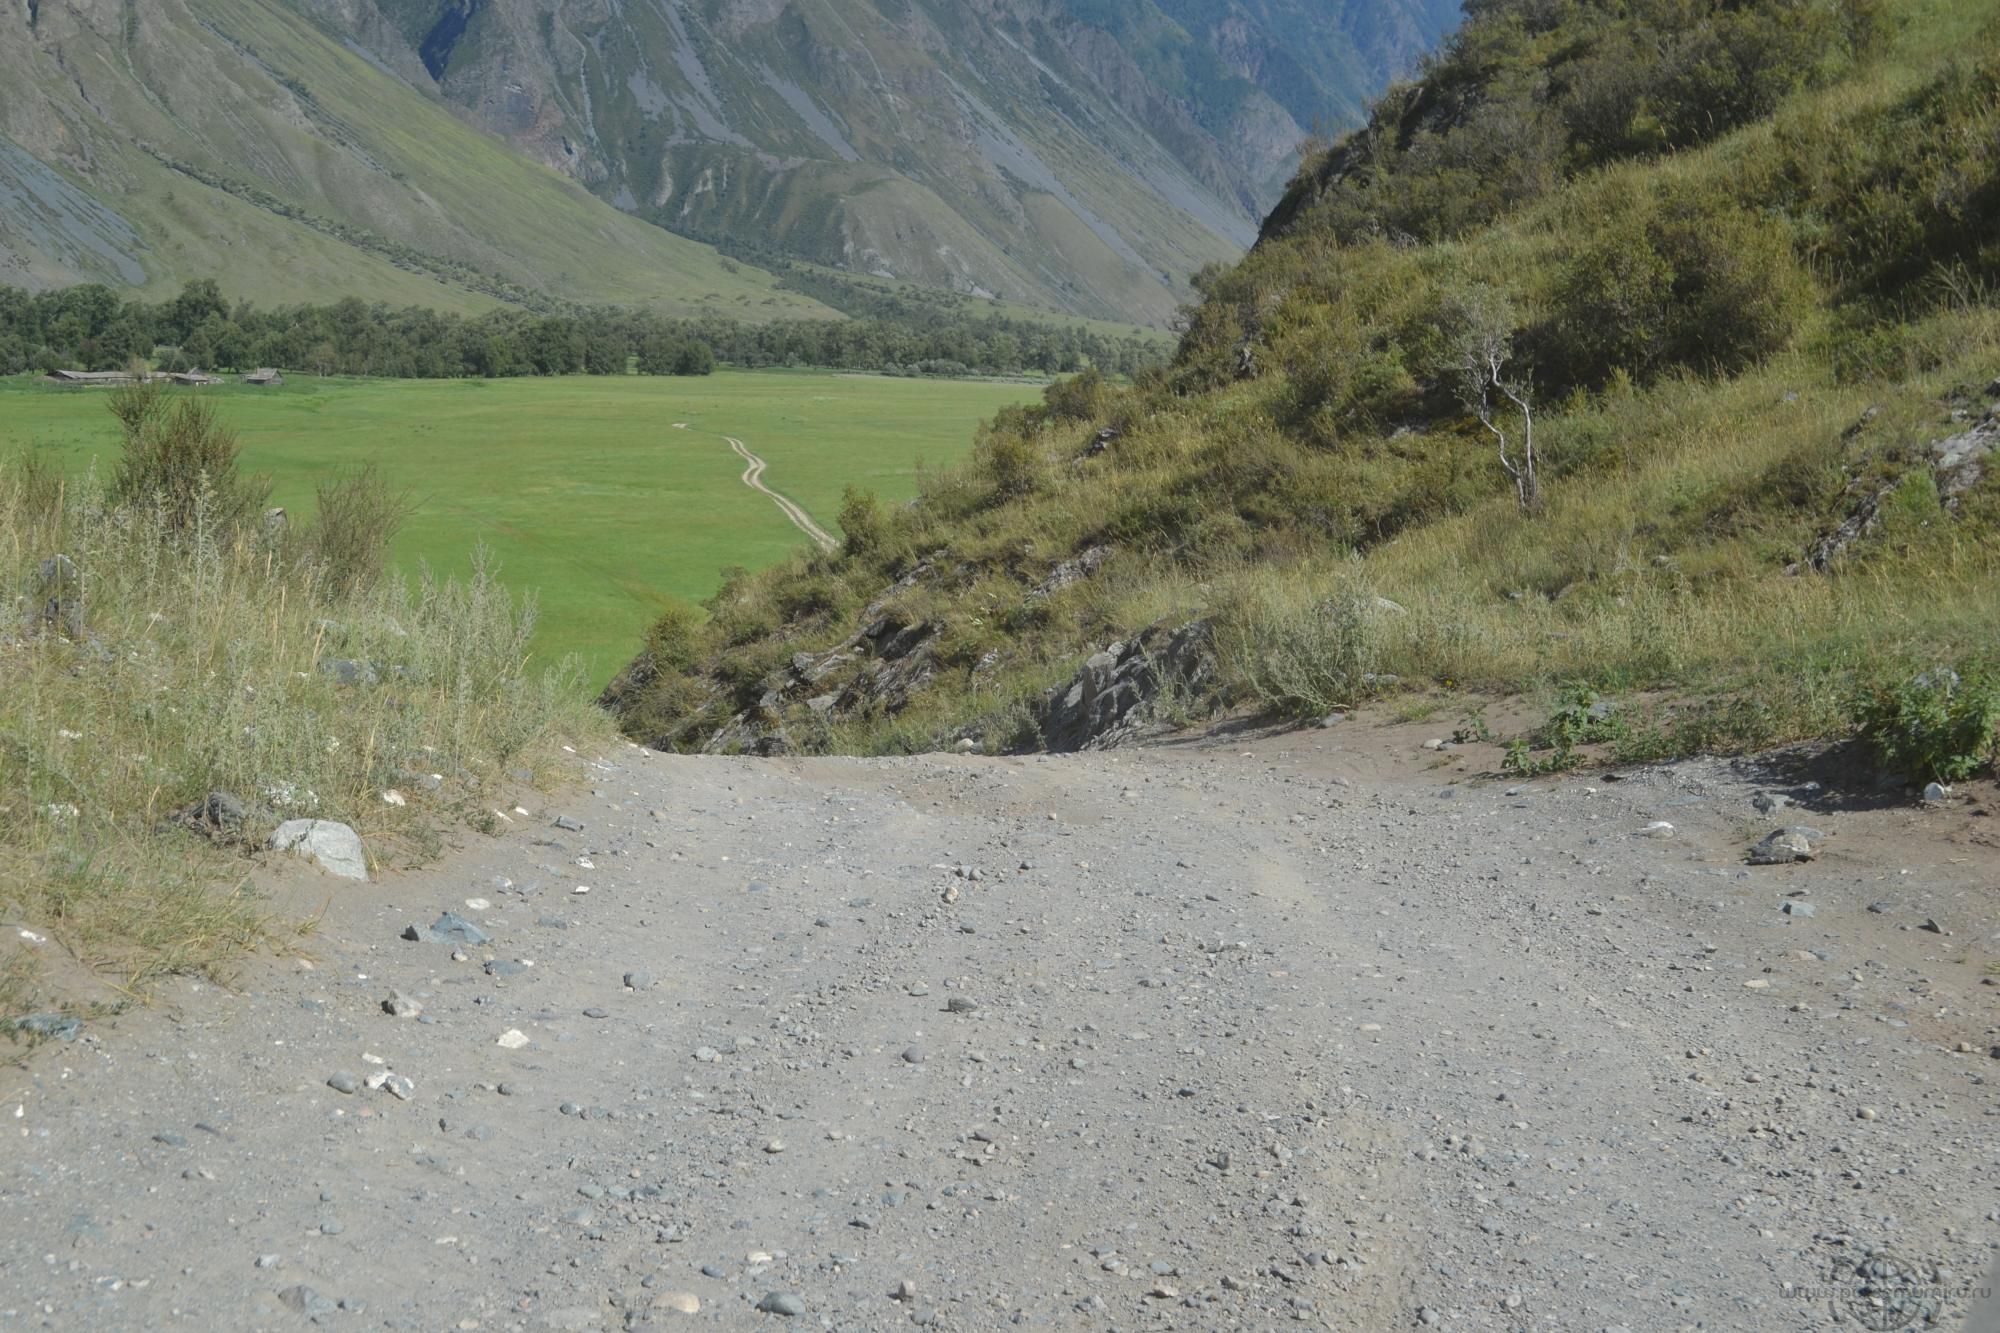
(1237, 1034)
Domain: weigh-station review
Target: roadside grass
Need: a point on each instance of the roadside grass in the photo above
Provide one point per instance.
(146, 663)
(580, 488)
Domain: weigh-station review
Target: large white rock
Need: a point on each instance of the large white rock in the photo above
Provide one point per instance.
(336, 847)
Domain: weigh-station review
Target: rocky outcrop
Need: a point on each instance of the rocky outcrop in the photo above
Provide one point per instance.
(1118, 695)
(1957, 463)
(878, 669)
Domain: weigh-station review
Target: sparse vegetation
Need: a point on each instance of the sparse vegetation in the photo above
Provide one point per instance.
(165, 643)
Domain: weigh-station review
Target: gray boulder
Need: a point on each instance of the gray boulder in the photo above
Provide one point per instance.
(336, 848)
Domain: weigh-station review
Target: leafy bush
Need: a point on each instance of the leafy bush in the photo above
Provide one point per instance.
(1688, 280)
(1581, 717)
(1013, 459)
(1942, 725)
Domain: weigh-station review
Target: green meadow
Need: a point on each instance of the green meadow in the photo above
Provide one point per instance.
(601, 495)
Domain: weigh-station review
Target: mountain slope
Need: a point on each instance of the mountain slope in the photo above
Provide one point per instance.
(147, 144)
(1730, 269)
(1076, 154)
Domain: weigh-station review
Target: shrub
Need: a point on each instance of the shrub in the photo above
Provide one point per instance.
(1580, 717)
(1738, 292)
(1013, 460)
(1084, 397)
(1942, 725)
(180, 460)
(1610, 308)
(861, 521)
(358, 517)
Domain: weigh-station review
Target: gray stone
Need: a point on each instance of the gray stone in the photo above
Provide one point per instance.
(219, 815)
(1796, 908)
(59, 586)
(638, 980)
(335, 848)
(399, 1005)
(344, 1082)
(568, 825)
(959, 1004)
(782, 1303)
(347, 671)
(505, 967)
(1784, 847)
(59, 1026)
(304, 1300)
(915, 1055)
(457, 930)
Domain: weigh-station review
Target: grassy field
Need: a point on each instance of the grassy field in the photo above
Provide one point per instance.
(583, 488)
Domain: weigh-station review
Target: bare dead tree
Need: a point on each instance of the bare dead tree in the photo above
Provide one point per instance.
(1481, 346)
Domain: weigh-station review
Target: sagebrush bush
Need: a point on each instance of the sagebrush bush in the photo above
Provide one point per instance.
(354, 522)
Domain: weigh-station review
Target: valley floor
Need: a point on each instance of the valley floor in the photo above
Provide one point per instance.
(1229, 1034)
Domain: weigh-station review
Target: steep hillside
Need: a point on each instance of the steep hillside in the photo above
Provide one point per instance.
(148, 144)
(1075, 154)
(1729, 270)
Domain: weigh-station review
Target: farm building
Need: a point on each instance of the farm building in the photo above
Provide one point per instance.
(265, 378)
(194, 379)
(93, 379)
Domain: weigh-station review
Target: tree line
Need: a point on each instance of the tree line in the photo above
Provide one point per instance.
(92, 327)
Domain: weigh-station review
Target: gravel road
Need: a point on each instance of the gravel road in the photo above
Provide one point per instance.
(1235, 1034)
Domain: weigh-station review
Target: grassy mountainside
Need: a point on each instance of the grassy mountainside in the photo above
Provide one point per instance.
(145, 145)
(1739, 261)
(1070, 154)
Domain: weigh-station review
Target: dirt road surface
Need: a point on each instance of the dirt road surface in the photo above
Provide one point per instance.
(753, 477)
(1241, 1034)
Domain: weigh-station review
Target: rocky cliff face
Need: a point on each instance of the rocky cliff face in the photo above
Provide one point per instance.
(1082, 154)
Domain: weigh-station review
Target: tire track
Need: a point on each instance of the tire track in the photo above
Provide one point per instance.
(753, 477)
